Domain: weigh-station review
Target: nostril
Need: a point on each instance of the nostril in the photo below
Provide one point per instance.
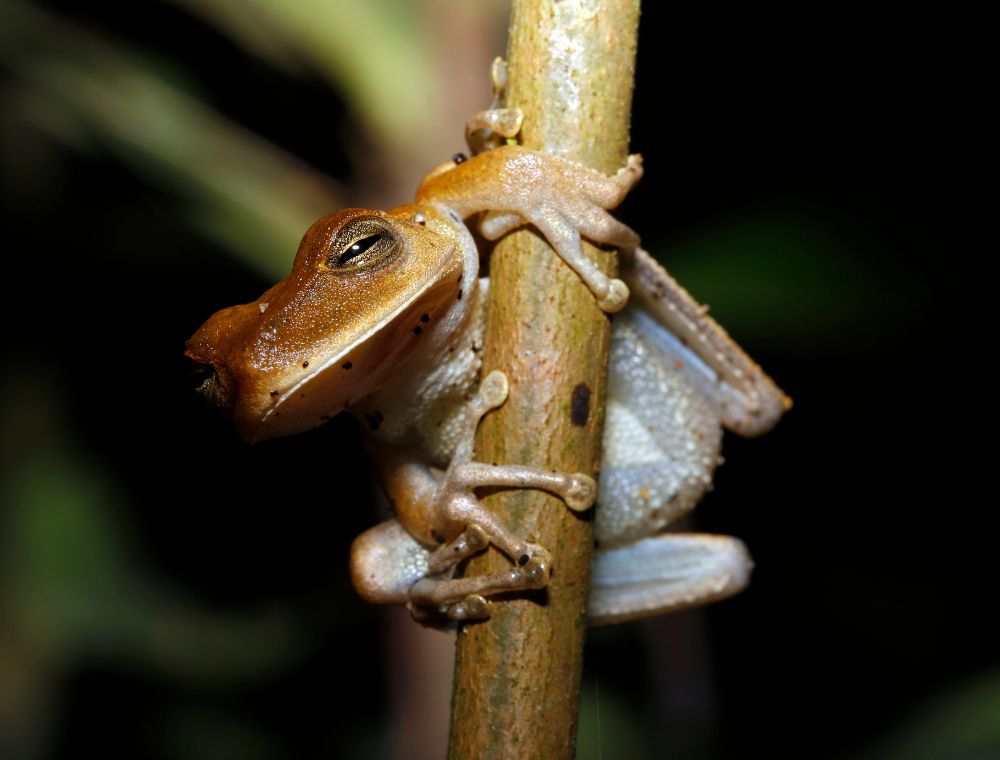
(207, 383)
(202, 373)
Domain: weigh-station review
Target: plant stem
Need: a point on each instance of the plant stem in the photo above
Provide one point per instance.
(517, 679)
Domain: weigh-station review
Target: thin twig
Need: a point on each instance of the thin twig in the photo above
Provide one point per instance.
(517, 680)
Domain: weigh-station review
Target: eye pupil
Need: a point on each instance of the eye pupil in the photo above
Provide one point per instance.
(358, 247)
(362, 245)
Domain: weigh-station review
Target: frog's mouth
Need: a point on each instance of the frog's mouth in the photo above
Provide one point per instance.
(360, 369)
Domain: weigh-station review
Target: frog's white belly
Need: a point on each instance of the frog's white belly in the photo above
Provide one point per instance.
(423, 407)
(662, 432)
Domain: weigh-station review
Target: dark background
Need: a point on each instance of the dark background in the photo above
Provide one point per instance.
(168, 591)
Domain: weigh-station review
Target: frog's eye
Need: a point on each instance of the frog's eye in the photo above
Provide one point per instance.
(364, 244)
(358, 247)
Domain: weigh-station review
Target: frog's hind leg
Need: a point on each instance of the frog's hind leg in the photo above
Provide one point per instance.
(430, 508)
(749, 402)
(388, 566)
(662, 433)
(576, 489)
(665, 573)
(465, 598)
(456, 502)
(385, 563)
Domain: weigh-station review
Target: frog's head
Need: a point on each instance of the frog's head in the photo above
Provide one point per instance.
(364, 290)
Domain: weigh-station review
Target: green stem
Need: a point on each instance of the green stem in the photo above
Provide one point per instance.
(517, 679)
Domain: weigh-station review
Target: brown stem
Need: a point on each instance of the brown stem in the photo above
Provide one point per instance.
(517, 679)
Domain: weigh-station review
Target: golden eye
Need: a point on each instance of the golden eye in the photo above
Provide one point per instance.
(365, 243)
(358, 247)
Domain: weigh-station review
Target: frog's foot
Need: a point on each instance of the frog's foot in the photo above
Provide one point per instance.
(492, 393)
(578, 490)
(491, 128)
(498, 80)
(575, 206)
(563, 199)
(610, 292)
(506, 122)
(455, 503)
(465, 598)
(472, 540)
(473, 607)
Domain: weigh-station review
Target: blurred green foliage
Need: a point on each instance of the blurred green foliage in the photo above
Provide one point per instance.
(247, 194)
(960, 722)
(780, 274)
(369, 49)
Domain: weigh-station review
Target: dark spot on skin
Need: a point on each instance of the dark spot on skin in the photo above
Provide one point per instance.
(374, 420)
(347, 365)
(273, 394)
(523, 560)
(425, 318)
(305, 364)
(475, 348)
(417, 330)
(459, 294)
(459, 158)
(302, 395)
(580, 405)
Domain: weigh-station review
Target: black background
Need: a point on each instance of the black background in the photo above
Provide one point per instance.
(868, 510)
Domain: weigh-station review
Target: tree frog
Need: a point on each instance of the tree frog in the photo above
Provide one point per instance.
(383, 316)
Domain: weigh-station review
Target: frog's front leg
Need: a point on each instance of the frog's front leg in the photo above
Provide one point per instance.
(563, 199)
(444, 512)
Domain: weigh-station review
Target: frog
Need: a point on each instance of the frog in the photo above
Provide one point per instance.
(383, 316)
